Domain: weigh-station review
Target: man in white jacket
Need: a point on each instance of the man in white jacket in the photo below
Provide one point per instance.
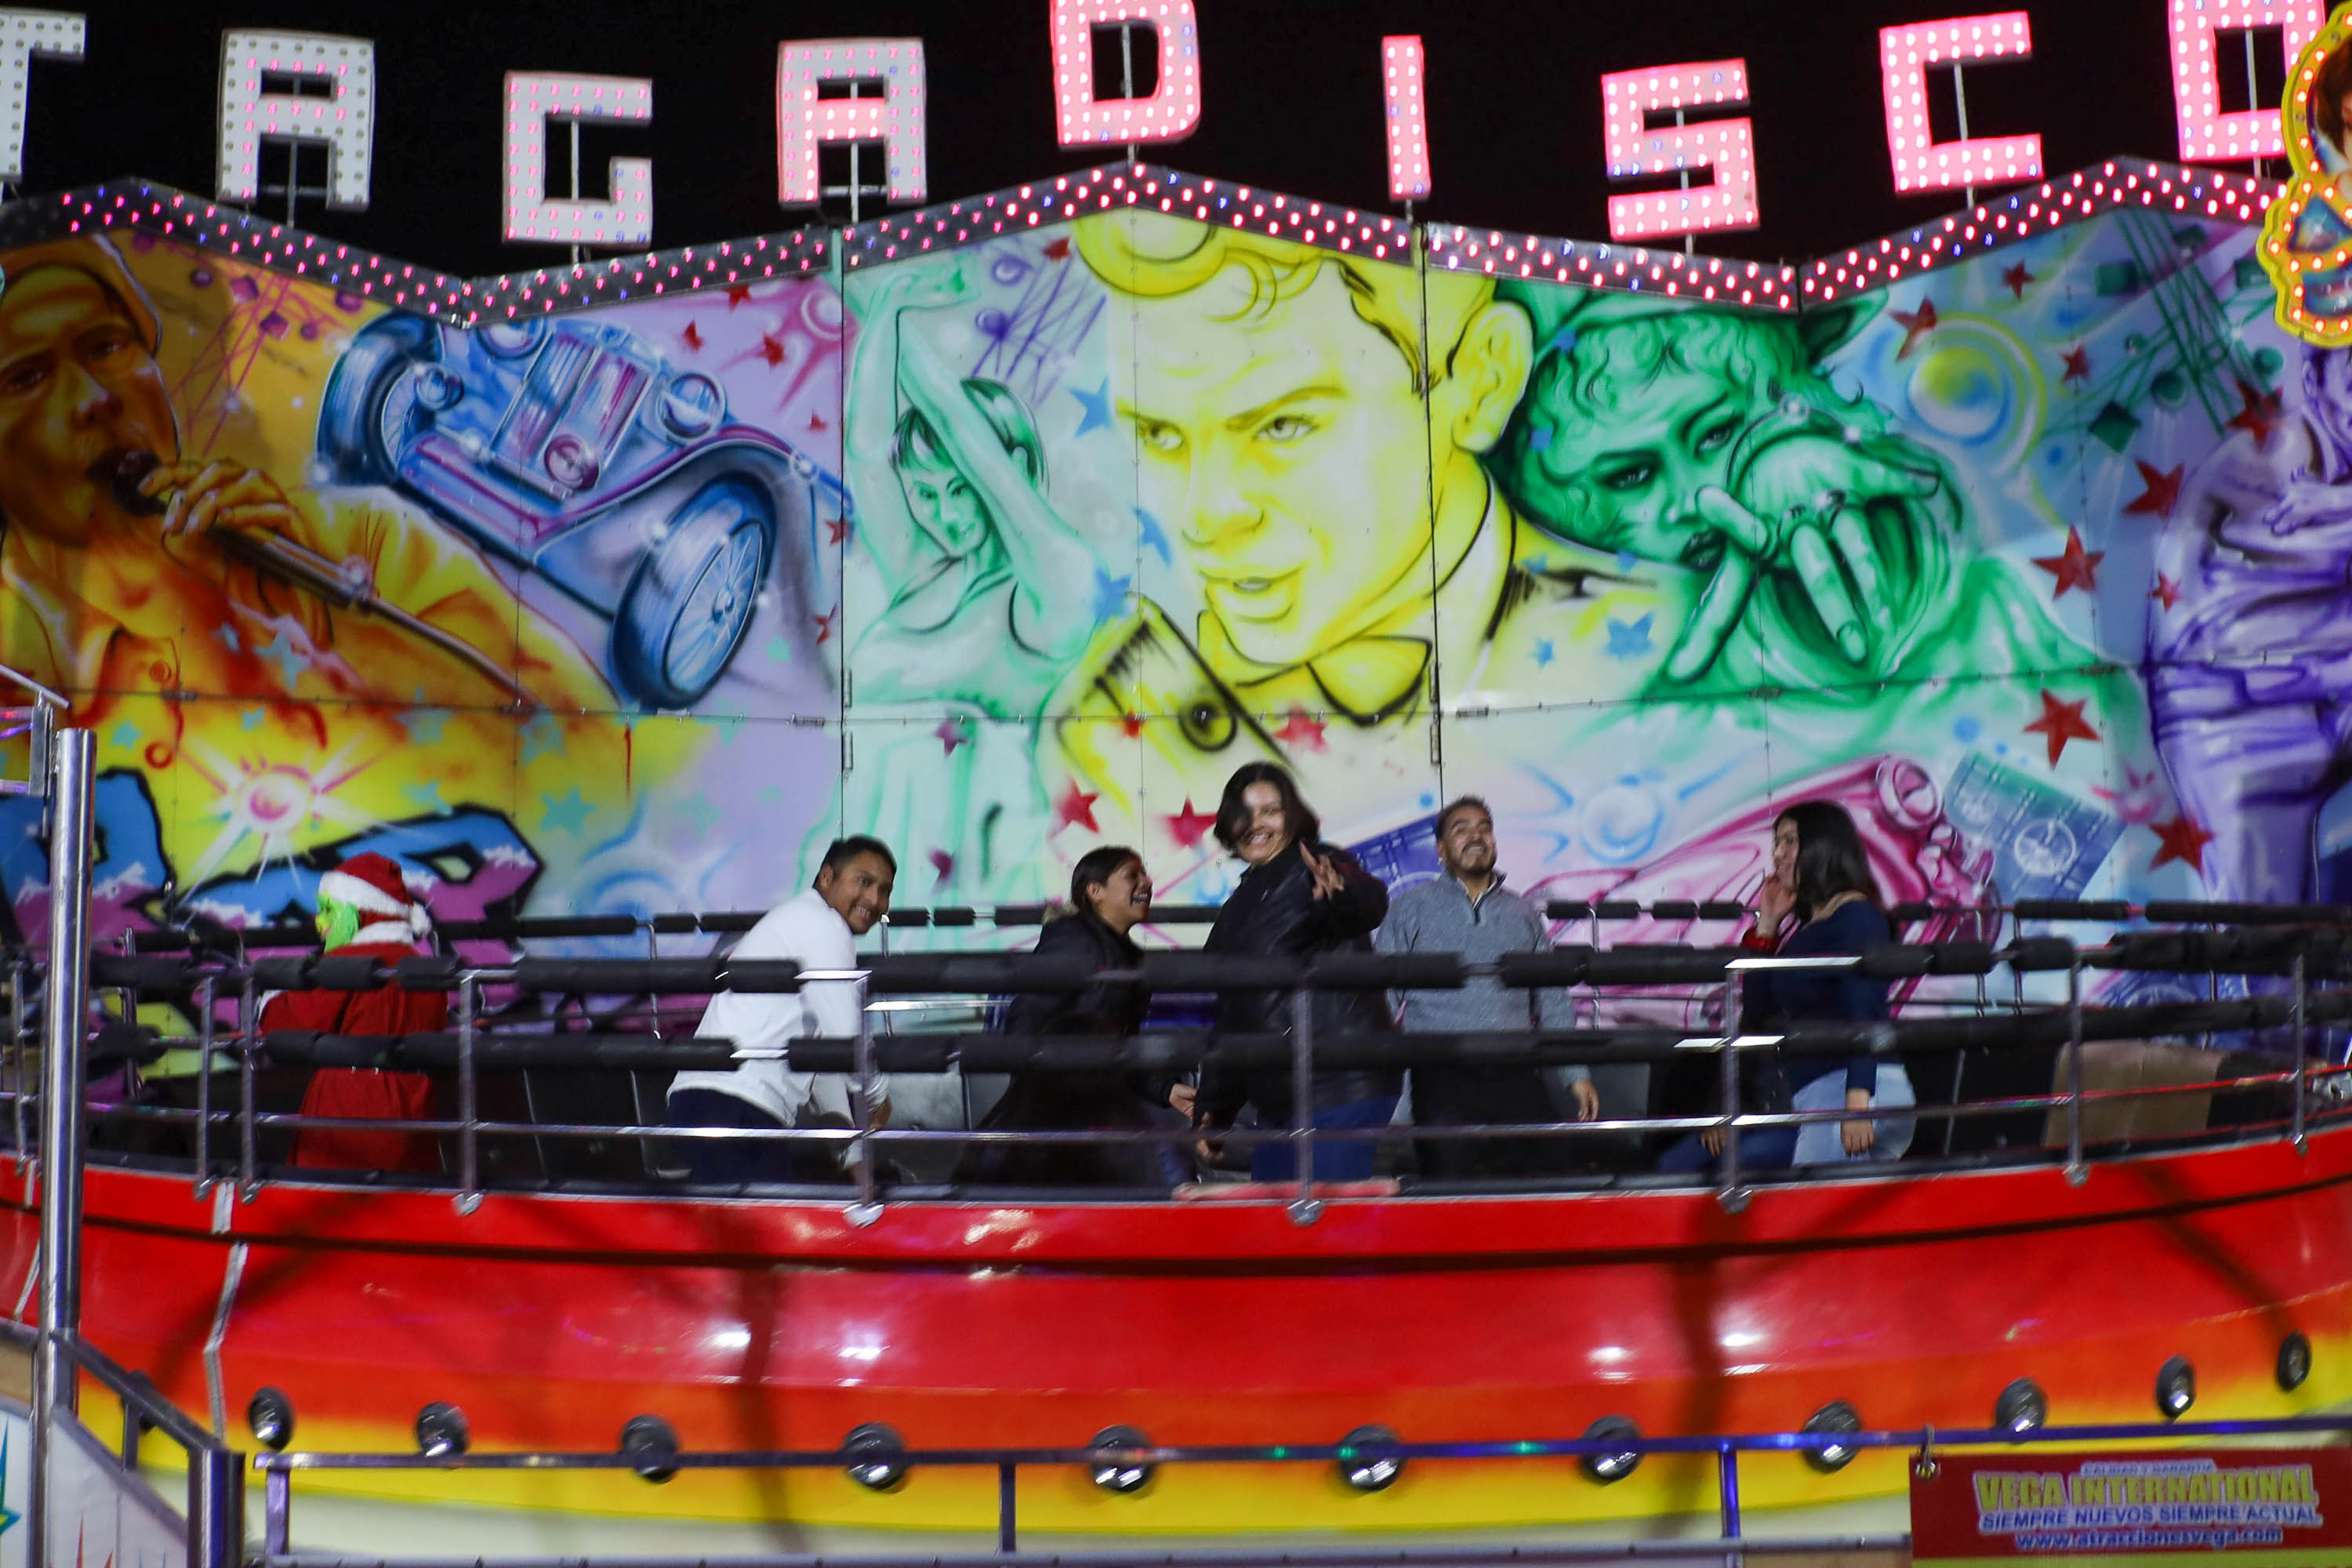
(818, 929)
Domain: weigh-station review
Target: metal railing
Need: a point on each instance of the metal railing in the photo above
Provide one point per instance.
(632, 1037)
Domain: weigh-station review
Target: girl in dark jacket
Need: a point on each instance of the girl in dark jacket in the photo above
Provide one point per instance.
(1822, 877)
(1298, 898)
(1110, 893)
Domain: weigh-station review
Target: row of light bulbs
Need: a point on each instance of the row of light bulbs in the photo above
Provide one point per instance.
(1368, 1459)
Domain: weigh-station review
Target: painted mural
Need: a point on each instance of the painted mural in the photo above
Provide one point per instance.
(2037, 560)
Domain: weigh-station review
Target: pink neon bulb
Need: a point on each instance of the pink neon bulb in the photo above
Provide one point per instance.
(1400, 78)
(531, 103)
(1922, 162)
(1173, 111)
(344, 120)
(804, 121)
(2206, 134)
(1727, 146)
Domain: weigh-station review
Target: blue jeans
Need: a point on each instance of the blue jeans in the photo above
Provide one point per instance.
(1820, 1142)
(1336, 1161)
(1760, 1149)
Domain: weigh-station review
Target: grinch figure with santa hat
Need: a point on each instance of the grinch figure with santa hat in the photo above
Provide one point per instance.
(365, 910)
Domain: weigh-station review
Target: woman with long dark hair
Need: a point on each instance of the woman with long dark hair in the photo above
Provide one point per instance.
(1299, 897)
(1821, 880)
(1110, 894)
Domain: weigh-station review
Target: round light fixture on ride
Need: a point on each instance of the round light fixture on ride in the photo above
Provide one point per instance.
(1613, 1467)
(2021, 1407)
(271, 1416)
(1113, 1468)
(2293, 1360)
(878, 1457)
(653, 1443)
(1363, 1465)
(1837, 1415)
(442, 1432)
(2176, 1388)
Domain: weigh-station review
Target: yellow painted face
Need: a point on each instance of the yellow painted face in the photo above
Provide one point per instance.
(1288, 449)
(76, 385)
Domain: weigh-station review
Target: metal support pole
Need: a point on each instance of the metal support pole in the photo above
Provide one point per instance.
(277, 1508)
(1304, 1209)
(1126, 70)
(1960, 102)
(1690, 243)
(1726, 1473)
(1008, 1534)
(1730, 1193)
(868, 1207)
(2077, 1172)
(2253, 90)
(216, 1508)
(2294, 1117)
(855, 179)
(71, 807)
(577, 251)
(249, 1047)
(201, 999)
(469, 1152)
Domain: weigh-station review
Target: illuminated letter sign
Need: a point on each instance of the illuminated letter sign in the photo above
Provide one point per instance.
(531, 103)
(1727, 146)
(1401, 75)
(803, 121)
(1174, 107)
(343, 118)
(2206, 134)
(1922, 162)
(2307, 233)
(25, 37)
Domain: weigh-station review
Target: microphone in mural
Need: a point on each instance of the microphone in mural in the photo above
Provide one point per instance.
(132, 476)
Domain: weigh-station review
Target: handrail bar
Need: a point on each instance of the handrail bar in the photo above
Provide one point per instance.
(1245, 1453)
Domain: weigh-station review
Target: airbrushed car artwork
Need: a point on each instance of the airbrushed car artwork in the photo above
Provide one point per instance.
(573, 450)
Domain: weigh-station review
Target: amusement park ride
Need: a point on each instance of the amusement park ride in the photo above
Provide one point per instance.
(556, 1348)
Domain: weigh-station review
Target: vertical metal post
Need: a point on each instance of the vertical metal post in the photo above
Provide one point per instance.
(2294, 1117)
(19, 1043)
(1690, 243)
(202, 998)
(1126, 70)
(277, 1508)
(1960, 101)
(1008, 1534)
(1304, 1209)
(1727, 1476)
(1730, 1192)
(577, 251)
(2254, 90)
(70, 809)
(469, 1153)
(2077, 1172)
(216, 1508)
(248, 1028)
(868, 1207)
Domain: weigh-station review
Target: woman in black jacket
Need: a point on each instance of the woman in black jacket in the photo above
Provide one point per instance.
(1110, 893)
(1298, 898)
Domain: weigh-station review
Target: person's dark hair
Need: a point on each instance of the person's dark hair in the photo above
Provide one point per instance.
(1830, 856)
(1095, 869)
(842, 851)
(1461, 803)
(2327, 94)
(1233, 816)
(914, 442)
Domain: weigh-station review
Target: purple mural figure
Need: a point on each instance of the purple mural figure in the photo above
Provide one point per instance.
(2249, 650)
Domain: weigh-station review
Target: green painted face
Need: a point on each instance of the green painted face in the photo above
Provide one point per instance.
(338, 922)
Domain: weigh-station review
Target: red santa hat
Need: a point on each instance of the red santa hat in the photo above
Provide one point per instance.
(372, 884)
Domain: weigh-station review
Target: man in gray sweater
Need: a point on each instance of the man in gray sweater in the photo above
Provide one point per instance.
(1468, 911)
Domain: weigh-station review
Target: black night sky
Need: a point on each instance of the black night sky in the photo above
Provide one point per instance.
(1292, 95)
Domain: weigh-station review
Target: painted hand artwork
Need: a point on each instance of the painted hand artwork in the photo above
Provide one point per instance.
(1004, 550)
